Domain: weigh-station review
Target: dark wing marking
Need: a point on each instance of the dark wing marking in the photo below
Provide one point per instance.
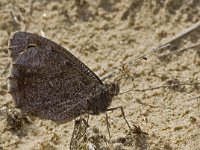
(48, 81)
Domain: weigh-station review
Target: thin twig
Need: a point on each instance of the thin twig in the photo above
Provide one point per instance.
(181, 50)
(179, 35)
(176, 37)
(161, 46)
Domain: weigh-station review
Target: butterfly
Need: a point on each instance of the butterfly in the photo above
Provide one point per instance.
(49, 82)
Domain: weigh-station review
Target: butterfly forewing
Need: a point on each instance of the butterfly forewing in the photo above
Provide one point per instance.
(48, 81)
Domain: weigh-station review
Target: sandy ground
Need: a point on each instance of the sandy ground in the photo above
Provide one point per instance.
(108, 35)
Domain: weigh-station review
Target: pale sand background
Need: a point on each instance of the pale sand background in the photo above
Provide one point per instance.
(105, 34)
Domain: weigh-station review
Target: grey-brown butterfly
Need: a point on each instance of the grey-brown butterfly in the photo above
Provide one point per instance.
(47, 81)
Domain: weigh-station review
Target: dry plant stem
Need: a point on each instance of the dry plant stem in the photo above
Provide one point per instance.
(73, 134)
(161, 46)
(79, 121)
(181, 50)
(179, 35)
(176, 37)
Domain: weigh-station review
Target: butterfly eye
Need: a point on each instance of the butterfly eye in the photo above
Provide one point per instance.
(113, 88)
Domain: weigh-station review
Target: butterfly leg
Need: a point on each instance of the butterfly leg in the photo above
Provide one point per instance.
(123, 114)
(137, 129)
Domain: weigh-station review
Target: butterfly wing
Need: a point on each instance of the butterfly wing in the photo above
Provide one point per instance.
(48, 81)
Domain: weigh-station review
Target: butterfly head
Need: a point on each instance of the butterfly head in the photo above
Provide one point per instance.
(113, 88)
